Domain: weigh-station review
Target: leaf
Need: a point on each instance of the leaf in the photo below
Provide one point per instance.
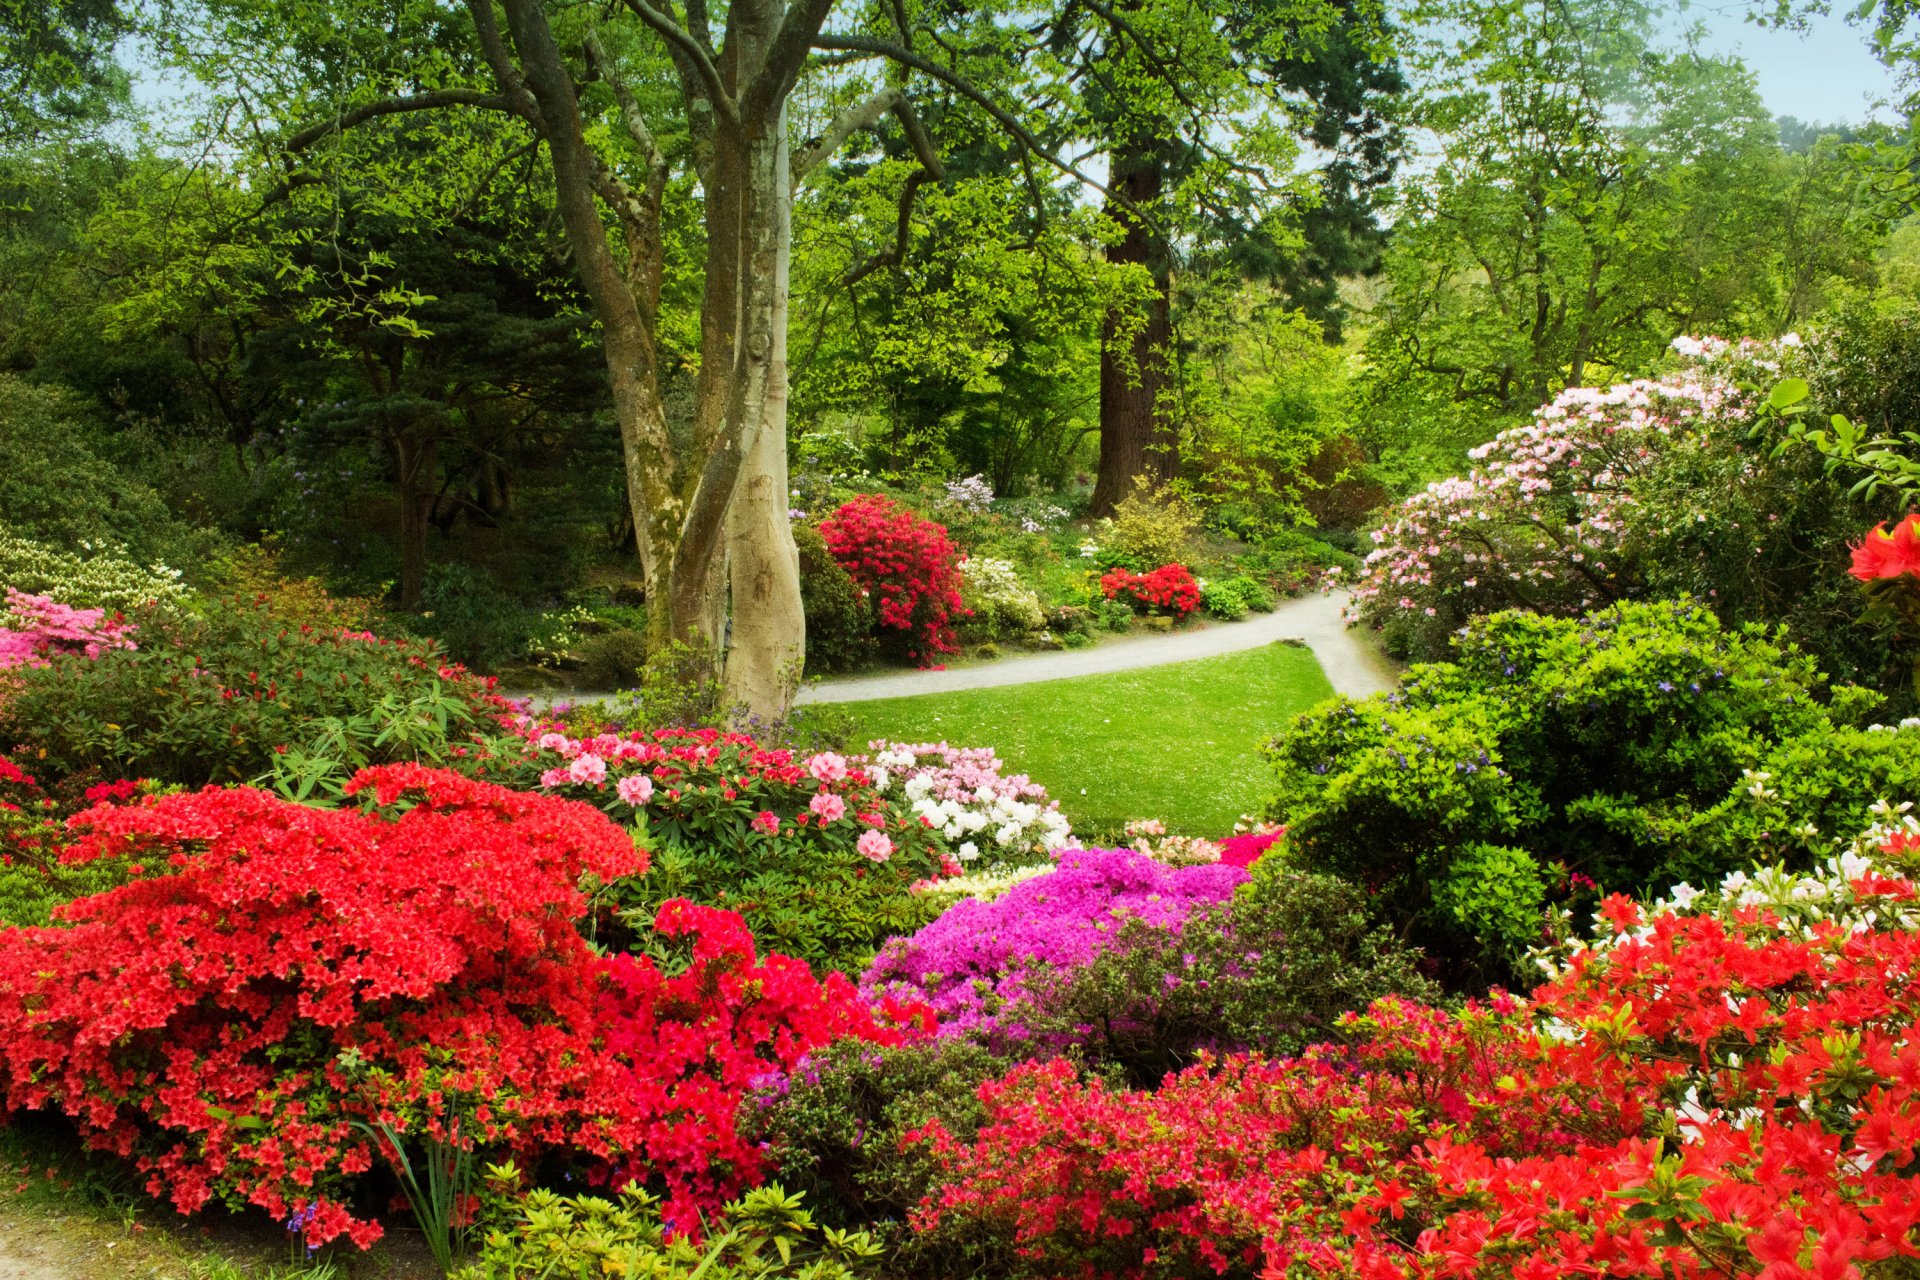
(1787, 393)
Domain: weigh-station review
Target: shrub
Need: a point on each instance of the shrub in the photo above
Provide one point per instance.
(33, 879)
(255, 573)
(1152, 525)
(100, 579)
(906, 567)
(217, 698)
(470, 615)
(1719, 1083)
(1638, 746)
(961, 793)
(765, 1233)
(272, 973)
(34, 630)
(1001, 605)
(611, 659)
(56, 490)
(1233, 598)
(839, 625)
(1170, 589)
(812, 856)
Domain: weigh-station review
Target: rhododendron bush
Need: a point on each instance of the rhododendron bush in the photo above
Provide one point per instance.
(1720, 1084)
(961, 793)
(906, 567)
(35, 628)
(806, 848)
(1544, 517)
(273, 974)
(1170, 589)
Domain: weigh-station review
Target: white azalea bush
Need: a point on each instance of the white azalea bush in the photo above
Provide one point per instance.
(986, 816)
(105, 578)
(1003, 606)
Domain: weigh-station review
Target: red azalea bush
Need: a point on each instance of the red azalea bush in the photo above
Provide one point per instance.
(1168, 589)
(906, 567)
(33, 817)
(273, 975)
(1726, 1089)
(694, 1044)
(819, 863)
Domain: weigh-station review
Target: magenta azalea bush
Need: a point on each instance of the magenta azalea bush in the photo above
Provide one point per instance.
(34, 628)
(975, 965)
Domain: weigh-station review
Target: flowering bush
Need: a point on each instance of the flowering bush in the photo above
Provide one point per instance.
(1719, 1084)
(33, 879)
(1641, 745)
(960, 793)
(1168, 589)
(219, 698)
(906, 566)
(979, 964)
(1542, 519)
(816, 857)
(272, 973)
(38, 627)
(103, 579)
(1001, 604)
(972, 494)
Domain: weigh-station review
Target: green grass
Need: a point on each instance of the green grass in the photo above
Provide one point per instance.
(1179, 742)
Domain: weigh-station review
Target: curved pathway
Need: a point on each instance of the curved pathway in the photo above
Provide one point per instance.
(1352, 667)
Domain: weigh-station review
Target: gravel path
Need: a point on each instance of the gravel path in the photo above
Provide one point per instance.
(1352, 667)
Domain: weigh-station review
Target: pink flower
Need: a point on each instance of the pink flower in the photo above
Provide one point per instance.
(828, 766)
(828, 807)
(875, 845)
(767, 822)
(554, 742)
(635, 789)
(555, 778)
(587, 768)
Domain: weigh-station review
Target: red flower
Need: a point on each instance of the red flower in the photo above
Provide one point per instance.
(1882, 555)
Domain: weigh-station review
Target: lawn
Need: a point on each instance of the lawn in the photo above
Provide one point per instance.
(1179, 742)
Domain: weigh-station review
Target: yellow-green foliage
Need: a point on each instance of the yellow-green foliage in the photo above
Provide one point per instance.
(765, 1234)
(1002, 604)
(1153, 525)
(106, 579)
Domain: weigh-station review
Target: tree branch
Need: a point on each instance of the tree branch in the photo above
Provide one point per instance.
(786, 54)
(631, 116)
(862, 115)
(695, 53)
(430, 101)
(902, 232)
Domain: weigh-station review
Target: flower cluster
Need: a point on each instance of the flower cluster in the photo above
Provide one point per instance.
(1882, 555)
(973, 494)
(695, 1043)
(961, 793)
(1720, 1084)
(1169, 589)
(37, 627)
(906, 567)
(830, 854)
(1541, 519)
(997, 597)
(272, 974)
(104, 577)
(976, 963)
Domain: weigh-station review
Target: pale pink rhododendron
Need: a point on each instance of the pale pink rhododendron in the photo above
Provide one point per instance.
(34, 629)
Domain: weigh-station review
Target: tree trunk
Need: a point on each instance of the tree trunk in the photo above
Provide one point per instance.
(413, 465)
(1136, 437)
(769, 625)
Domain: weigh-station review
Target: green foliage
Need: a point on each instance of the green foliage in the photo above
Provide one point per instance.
(470, 614)
(102, 579)
(55, 488)
(834, 1128)
(1622, 747)
(1153, 525)
(1004, 607)
(766, 1233)
(1233, 598)
(839, 624)
(216, 698)
(611, 659)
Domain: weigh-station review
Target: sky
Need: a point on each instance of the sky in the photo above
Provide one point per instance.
(1828, 75)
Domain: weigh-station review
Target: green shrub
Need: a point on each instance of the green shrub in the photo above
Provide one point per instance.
(217, 698)
(611, 659)
(1233, 598)
(470, 616)
(1003, 606)
(839, 624)
(1152, 526)
(1630, 749)
(55, 488)
(100, 579)
(766, 1233)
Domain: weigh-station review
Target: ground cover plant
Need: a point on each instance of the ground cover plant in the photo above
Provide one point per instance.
(1087, 741)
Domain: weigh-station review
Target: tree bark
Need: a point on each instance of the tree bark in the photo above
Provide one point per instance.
(413, 468)
(1136, 436)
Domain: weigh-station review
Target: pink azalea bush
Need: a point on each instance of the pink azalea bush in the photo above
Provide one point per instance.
(37, 627)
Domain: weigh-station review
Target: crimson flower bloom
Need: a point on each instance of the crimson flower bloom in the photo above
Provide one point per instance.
(1884, 555)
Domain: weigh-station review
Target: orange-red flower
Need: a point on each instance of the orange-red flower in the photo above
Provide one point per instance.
(1884, 555)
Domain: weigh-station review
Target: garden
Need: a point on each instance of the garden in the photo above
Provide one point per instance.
(679, 642)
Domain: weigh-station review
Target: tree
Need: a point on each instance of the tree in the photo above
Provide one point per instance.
(57, 72)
